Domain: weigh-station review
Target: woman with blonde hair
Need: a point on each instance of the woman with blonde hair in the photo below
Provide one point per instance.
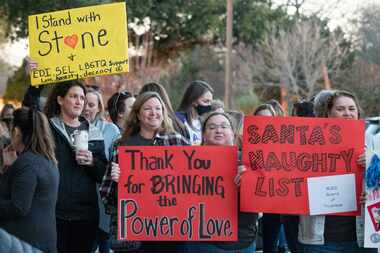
(148, 124)
(94, 113)
(179, 127)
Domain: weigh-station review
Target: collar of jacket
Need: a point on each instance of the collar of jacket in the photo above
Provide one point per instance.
(94, 133)
(373, 120)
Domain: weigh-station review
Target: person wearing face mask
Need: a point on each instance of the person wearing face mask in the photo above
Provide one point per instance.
(196, 101)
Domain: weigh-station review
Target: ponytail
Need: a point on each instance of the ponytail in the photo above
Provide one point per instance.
(37, 137)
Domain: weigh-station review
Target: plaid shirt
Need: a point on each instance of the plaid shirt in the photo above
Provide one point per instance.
(108, 188)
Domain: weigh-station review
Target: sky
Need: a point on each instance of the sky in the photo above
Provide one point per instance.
(338, 11)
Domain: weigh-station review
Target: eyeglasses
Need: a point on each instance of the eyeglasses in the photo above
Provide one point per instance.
(213, 127)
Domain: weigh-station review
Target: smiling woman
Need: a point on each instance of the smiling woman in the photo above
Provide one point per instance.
(148, 124)
(338, 234)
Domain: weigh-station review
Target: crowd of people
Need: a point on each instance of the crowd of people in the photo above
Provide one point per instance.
(61, 196)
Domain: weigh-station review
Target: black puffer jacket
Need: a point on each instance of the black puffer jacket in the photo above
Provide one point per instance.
(10, 244)
(77, 194)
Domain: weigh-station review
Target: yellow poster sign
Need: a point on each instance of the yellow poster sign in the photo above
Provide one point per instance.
(79, 43)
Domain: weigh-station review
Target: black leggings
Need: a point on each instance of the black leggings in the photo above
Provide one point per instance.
(76, 236)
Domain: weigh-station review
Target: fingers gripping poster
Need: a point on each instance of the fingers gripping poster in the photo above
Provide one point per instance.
(78, 43)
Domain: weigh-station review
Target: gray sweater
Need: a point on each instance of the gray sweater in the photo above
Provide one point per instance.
(28, 195)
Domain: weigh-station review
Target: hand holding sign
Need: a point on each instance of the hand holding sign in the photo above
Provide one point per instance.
(115, 172)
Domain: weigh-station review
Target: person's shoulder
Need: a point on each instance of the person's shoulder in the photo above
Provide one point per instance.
(173, 139)
(111, 128)
(181, 116)
(32, 159)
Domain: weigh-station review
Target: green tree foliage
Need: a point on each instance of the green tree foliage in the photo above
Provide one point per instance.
(175, 23)
(253, 19)
(202, 63)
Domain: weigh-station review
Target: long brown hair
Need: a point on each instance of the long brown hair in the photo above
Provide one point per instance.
(132, 125)
(192, 93)
(52, 108)
(36, 133)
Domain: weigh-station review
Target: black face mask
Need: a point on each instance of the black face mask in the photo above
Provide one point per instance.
(202, 109)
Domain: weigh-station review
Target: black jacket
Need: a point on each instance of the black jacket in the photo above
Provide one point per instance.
(10, 244)
(28, 195)
(77, 195)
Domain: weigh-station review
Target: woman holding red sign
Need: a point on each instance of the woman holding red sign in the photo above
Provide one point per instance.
(335, 234)
(147, 125)
(218, 129)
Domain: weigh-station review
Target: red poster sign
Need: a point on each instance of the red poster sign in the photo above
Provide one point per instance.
(177, 193)
(281, 153)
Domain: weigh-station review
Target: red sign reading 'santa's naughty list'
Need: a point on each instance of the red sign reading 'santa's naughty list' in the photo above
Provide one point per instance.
(177, 193)
(281, 153)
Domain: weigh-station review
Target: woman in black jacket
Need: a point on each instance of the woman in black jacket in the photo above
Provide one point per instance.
(77, 210)
(29, 186)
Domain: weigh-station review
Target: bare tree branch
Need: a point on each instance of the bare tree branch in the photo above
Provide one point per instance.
(295, 58)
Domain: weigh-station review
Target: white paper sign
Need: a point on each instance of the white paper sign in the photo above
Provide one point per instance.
(332, 194)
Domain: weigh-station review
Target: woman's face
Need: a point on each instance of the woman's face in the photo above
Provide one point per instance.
(264, 112)
(151, 114)
(344, 107)
(8, 113)
(218, 131)
(122, 116)
(92, 107)
(16, 139)
(72, 103)
(205, 99)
